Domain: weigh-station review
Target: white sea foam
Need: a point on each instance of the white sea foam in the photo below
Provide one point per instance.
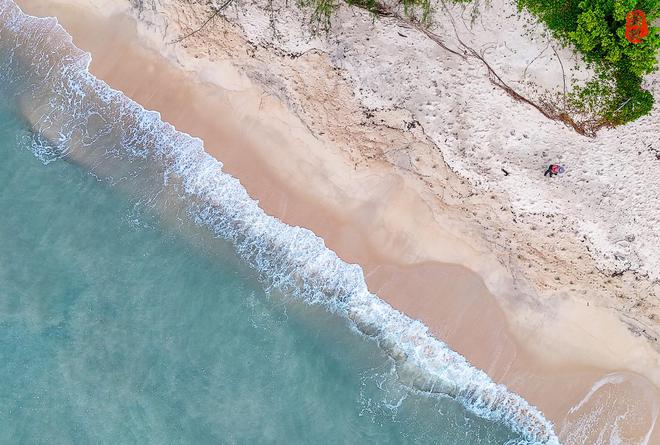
(44, 62)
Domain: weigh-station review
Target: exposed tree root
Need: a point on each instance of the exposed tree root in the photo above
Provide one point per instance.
(587, 128)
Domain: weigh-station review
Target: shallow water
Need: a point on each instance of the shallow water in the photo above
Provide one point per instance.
(132, 301)
(116, 329)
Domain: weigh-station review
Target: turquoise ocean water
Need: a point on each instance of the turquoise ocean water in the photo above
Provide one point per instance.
(144, 298)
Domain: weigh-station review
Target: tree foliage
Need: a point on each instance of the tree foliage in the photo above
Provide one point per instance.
(597, 28)
(601, 34)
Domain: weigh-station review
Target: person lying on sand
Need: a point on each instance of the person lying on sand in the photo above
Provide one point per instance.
(553, 169)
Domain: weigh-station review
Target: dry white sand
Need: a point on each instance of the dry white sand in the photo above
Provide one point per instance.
(342, 152)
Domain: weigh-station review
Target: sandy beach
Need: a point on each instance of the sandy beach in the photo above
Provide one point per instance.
(419, 237)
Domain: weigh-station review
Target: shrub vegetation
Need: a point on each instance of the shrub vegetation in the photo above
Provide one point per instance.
(597, 28)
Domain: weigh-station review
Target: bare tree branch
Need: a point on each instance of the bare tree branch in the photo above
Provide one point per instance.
(563, 74)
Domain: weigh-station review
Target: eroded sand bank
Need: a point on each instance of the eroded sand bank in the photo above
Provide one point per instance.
(585, 371)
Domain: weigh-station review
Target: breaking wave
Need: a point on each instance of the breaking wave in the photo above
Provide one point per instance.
(73, 115)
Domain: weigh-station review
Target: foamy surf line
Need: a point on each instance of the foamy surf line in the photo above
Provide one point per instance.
(73, 112)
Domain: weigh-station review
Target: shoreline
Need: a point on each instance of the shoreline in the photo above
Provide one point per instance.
(349, 233)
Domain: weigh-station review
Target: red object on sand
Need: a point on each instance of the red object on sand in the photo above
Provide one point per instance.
(636, 26)
(554, 168)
